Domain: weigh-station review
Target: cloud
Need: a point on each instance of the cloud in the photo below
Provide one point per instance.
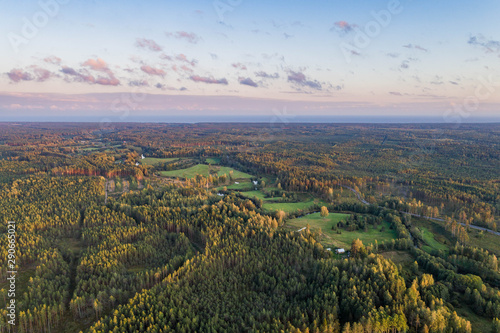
(405, 64)
(101, 66)
(17, 75)
(148, 44)
(287, 35)
(248, 82)
(300, 79)
(152, 71)
(42, 74)
(53, 60)
(266, 75)
(182, 58)
(160, 86)
(393, 55)
(296, 77)
(138, 83)
(97, 65)
(416, 47)
(105, 81)
(210, 80)
(188, 36)
(239, 65)
(87, 78)
(343, 27)
(395, 93)
(488, 45)
(453, 82)
(78, 76)
(69, 71)
(165, 57)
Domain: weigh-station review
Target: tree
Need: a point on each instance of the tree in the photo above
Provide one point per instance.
(324, 212)
(357, 248)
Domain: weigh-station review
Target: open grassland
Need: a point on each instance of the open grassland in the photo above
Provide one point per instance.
(154, 160)
(213, 160)
(289, 207)
(204, 170)
(344, 239)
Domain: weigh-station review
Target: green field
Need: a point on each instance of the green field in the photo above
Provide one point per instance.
(485, 240)
(213, 160)
(242, 186)
(433, 234)
(398, 257)
(203, 169)
(479, 324)
(154, 160)
(343, 240)
(431, 241)
(259, 195)
(289, 207)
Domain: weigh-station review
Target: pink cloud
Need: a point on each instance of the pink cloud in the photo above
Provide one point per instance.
(78, 76)
(42, 74)
(53, 60)
(343, 26)
(148, 44)
(300, 79)
(152, 71)
(111, 81)
(189, 36)
(87, 78)
(239, 65)
(97, 65)
(182, 57)
(210, 80)
(17, 75)
(165, 57)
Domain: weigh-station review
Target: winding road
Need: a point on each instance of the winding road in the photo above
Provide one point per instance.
(358, 195)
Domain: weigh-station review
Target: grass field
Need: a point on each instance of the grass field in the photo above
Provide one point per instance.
(479, 324)
(289, 207)
(259, 195)
(343, 240)
(431, 241)
(485, 240)
(242, 186)
(398, 257)
(203, 169)
(433, 234)
(213, 160)
(154, 160)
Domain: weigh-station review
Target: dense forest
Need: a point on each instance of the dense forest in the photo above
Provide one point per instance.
(250, 227)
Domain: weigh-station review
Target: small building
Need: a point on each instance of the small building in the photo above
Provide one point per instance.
(328, 249)
(339, 251)
(236, 182)
(220, 194)
(255, 182)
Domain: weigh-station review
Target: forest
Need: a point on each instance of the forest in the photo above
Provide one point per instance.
(241, 227)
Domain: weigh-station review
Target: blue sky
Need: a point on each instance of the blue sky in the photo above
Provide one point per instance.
(250, 57)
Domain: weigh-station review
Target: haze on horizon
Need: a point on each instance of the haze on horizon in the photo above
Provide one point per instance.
(130, 61)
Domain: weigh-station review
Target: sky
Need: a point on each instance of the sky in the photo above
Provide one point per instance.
(160, 60)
